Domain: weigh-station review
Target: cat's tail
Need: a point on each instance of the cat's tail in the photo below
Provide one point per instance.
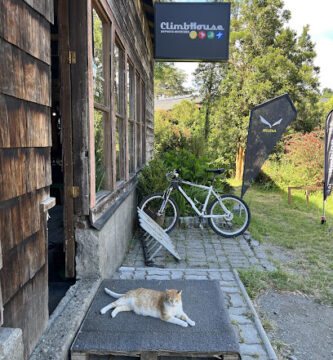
(113, 294)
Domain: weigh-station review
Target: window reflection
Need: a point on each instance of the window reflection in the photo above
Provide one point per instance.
(98, 59)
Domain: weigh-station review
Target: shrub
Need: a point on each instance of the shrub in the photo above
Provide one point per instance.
(303, 162)
(152, 178)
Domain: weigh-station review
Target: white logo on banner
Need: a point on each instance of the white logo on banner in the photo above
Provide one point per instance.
(264, 121)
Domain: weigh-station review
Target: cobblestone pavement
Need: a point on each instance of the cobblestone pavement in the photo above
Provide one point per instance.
(202, 248)
(206, 255)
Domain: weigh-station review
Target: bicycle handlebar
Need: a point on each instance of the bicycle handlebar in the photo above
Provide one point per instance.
(170, 175)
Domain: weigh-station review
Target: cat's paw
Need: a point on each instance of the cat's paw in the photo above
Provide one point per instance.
(184, 324)
(191, 322)
(113, 314)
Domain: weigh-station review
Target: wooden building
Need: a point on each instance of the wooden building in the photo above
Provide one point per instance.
(76, 124)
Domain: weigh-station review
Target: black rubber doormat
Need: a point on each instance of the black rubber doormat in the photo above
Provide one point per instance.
(133, 335)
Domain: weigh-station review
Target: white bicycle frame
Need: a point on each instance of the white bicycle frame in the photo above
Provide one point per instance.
(228, 215)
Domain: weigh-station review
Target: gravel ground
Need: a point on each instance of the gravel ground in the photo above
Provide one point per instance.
(304, 327)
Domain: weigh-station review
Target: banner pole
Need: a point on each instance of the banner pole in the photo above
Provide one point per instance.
(245, 161)
(323, 218)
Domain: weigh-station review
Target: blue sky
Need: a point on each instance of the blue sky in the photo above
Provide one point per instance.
(319, 15)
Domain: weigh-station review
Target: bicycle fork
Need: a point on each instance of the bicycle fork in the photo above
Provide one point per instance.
(166, 196)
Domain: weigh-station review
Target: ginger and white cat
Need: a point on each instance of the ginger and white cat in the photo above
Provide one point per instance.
(165, 306)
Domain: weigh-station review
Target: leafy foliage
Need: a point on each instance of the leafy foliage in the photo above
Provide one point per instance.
(208, 78)
(179, 128)
(168, 80)
(303, 162)
(267, 59)
(152, 178)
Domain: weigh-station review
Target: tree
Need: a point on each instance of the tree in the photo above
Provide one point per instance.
(267, 59)
(168, 80)
(208, 78)
(327, 92)
(179, 128)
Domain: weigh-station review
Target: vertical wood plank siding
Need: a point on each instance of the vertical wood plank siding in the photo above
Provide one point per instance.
(80, 110)
(25, 164)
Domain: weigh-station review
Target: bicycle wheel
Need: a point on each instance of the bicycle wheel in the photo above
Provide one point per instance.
(151, 206)
(234, 223)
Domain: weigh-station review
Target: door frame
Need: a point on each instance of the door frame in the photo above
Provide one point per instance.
(67, 133)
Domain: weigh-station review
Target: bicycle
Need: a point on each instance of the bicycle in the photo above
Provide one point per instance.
(228, 215)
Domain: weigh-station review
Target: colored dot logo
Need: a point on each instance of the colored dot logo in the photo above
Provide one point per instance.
(193, 34)
(219, 35)
(210, 34)
(202, 34)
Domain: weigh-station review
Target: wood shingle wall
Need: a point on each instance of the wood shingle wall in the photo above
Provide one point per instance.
(25, 166)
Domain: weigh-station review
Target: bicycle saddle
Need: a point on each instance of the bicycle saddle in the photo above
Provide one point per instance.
(215, 171)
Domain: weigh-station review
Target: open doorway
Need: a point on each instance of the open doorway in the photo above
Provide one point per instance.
(59, 279)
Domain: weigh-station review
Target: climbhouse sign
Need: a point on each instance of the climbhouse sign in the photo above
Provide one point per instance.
(192, 31)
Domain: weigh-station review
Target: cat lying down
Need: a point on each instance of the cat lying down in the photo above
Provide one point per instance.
(165, 306)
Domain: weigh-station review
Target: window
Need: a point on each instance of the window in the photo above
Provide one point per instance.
(102, 113)
(143, 123)
(138, 121)
(119, 94)
(119, 108)
(131, 116)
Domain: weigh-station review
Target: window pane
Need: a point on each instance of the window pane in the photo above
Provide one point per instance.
(99, 117)
(138, 143)
(143, 121)
(130, 91)
(131, 154)
(119, 79)
(98, 59)
(138, 105)
(116, 76)
(138, 120)
(119, 149)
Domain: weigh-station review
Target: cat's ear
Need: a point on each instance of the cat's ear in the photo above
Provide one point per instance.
(179, 292)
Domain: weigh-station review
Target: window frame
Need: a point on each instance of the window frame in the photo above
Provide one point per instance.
(101, 201)
(120, 116)
(106, 107)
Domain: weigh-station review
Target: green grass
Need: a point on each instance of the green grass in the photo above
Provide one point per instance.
(296, 228)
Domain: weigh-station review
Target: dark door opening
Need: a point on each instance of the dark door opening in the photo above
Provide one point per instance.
(59, 282)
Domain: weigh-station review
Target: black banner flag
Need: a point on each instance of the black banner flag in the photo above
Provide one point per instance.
(328, 177)
(268, 121)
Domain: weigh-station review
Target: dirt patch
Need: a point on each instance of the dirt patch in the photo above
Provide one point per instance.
(278, 253)
(302, 328)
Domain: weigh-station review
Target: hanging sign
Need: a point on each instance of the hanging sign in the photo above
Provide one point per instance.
(268, 122)
(328, 179)
(192, 31)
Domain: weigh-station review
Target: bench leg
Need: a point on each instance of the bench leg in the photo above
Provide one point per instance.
(79, 356)
(149, 355)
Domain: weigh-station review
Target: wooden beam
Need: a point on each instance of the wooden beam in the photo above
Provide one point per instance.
(80, 104)
(47, 204)
(67, 135)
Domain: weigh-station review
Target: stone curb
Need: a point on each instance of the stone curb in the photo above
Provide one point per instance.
(261, 330)
(65, 321)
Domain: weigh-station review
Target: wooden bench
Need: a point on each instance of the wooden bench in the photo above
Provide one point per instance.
(306, 188)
